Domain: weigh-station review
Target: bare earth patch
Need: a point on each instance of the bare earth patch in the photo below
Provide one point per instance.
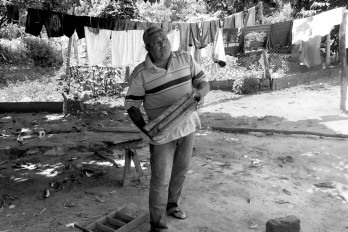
(236, 181)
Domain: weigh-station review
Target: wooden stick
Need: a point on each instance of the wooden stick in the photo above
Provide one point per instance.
(118, 129)
(165, 114)
(343, 58)
(250, 130)
(102, 154)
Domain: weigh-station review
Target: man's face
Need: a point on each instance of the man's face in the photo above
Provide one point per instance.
(159, 47)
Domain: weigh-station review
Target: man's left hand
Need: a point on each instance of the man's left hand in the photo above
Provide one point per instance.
(198, 97)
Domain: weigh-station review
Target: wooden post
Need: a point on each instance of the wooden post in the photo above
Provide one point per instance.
(261, 12)
(343, 58)
(127, 77)
(328, 51)
(69, 49)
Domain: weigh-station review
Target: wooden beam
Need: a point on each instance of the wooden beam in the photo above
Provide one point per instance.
(343, 58)
(273, 131)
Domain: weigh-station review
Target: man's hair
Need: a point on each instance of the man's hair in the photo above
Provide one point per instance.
(150, 31)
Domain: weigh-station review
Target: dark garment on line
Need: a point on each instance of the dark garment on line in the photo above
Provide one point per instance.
(205, 32)
(54, 24)
(196, 32)
(231, 38)
(81, 22)
(69, 25)
(184, 36)
(280, 35)
(34, 22)
(12, 14)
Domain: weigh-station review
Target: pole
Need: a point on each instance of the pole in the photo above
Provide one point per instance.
(328, 54)
(69, 48)
(343, 58)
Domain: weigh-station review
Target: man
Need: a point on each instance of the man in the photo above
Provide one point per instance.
(157, 83)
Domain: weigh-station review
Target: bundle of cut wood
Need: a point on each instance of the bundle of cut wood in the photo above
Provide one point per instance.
(171, 117)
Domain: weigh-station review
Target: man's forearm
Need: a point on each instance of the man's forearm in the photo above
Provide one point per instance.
(203, 88)
(137, 118)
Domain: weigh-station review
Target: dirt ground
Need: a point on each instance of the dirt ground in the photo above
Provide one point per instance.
(236, 181)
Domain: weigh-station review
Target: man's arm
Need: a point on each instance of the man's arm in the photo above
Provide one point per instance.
(137, 118)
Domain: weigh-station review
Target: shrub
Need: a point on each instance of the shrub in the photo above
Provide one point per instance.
(12, 51)
(11, 31)
(246, 85)
(42, 52)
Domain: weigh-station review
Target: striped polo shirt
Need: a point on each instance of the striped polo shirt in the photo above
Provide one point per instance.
(157, 89)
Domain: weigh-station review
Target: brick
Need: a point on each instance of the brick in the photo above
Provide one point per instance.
(285, 224)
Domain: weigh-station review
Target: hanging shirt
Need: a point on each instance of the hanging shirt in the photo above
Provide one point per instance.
(229, 22)
(174, 38)
(218, 49)
(239, 20)
(310, 51)
(127, 48)
(98, 44)
(251, 17)
(12, 14)
(324, 22)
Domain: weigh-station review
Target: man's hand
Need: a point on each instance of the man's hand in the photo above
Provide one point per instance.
(198, 97)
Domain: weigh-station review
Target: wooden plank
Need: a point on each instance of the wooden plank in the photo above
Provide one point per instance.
(115, 222)
(343, 58)
(103, 227)
(31, 107)
(118, 129)
(132, 224)
(174, 114)
(191, 108)
(123, 216)
(288, 132)
(165, 114)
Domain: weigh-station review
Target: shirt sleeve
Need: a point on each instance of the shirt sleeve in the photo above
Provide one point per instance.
(198, 75)
(136, 92)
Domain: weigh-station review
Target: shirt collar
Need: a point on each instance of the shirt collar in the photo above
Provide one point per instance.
(149, 64)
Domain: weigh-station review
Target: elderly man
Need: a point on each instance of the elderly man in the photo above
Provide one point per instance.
(157, 83)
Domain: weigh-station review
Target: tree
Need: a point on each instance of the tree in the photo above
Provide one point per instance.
(303, 8)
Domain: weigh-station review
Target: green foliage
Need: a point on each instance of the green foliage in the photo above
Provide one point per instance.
(284, 13)
(12, 51)
(172, 10)
(11, 31)
(246, 85)
(120, 10)
(42, 52)
(311, 7)
(97, 81)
